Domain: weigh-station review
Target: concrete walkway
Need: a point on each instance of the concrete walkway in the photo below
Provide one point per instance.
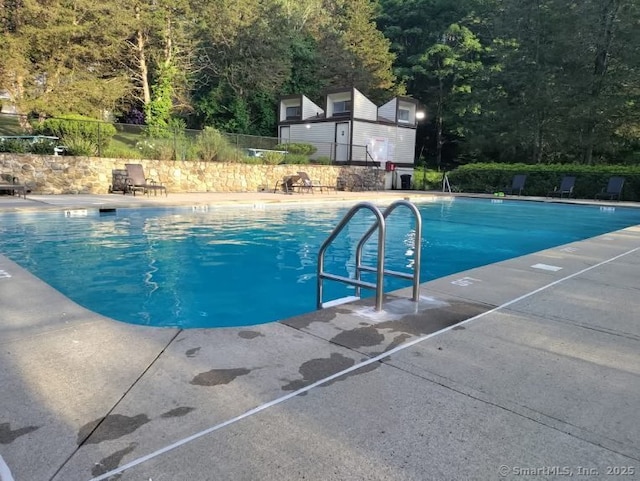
(502, 372)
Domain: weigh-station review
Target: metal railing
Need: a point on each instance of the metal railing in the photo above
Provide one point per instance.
(379, 270)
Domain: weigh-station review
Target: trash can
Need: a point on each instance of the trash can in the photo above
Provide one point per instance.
(405, 181)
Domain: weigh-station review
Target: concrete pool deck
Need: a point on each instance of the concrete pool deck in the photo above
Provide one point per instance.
(524, 369)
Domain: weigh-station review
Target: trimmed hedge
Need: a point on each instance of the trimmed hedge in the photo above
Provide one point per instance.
(542, 178)
(84, 135)
(297, 148)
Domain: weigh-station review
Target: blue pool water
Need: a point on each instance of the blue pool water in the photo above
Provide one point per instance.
(211, 267)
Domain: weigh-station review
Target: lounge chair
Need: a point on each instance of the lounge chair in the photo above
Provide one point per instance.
(517, 184)
(613, 189)
(309, 185)
(566, 187)
(11, 184)
(288, 184)
(136, 180)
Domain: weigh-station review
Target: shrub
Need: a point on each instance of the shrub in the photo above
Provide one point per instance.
(323, 159)
(273, 158)
(211, 145)
(78, 129)
(298, 148)
(122, 152)
(251, 160)
(426, 179)
(42, 147)
(296, 159)
(160, 149)
(542, 178)
(80, 146)
(15, 146)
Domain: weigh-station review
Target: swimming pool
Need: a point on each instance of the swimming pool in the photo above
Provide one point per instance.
(219, 266)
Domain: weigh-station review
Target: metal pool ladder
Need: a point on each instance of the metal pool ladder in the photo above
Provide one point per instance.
(380, 225)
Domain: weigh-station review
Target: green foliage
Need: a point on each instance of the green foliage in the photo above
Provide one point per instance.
(544, 82)
(541, 179)
(323, 160)
(158, 111)
(80, 146)
(273, 158)
(24, 146)
(305, 59)
(427, 179)
(354, 52)
(211, 146)
(251, 160)
(158, 148)
(296, 159)
(42, 147)
(297, 148)
(14, 146)
(10, 124)
(62, 57)
(78, 130)
(121, 152)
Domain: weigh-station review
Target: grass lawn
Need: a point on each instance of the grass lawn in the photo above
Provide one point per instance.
(9, 125)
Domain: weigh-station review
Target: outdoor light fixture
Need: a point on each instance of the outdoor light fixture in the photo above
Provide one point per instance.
(420, 115)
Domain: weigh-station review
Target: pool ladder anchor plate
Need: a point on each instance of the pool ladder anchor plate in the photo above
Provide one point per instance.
(378, 286)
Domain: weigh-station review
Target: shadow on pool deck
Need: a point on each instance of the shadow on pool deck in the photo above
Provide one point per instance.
(515, 369)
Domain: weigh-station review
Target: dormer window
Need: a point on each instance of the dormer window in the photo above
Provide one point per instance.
(403, 115)
(294, 113)
(342, 108)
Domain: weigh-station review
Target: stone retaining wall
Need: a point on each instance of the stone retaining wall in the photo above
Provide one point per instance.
(47, 174)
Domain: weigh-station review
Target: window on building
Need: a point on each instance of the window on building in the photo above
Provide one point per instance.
(342, 107)
(403, 115)
(294, 113)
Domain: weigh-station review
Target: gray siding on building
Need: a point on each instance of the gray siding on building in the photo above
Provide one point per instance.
(405, 145)
(400, 140)
(320, 134)
(363, 108)
(309, 109)
(388, 110)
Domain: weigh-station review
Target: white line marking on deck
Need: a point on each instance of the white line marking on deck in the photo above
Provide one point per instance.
(465, 281)
(569, 249)
(5, 472)
(4, 274)
(547, 267)
(355, 367)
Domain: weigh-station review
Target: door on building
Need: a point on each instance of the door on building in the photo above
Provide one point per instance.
(342, 141)
(285, 134)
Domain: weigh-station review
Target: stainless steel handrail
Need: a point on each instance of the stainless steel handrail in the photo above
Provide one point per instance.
(380, 271)
(379, 266)
(417, 239)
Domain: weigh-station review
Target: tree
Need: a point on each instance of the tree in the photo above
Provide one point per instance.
(354, 53)
(567, 78)
(416, 29)
(454, 64)
(159, 52)
(63, 57)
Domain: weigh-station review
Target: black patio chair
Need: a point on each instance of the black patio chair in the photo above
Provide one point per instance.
(517, 185)
(566, 187)
(613, 191)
